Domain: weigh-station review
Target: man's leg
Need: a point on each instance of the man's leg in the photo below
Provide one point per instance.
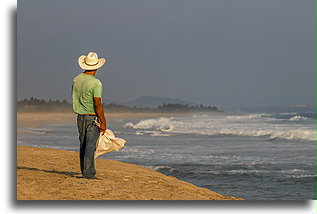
(92, 134)
(82, 139)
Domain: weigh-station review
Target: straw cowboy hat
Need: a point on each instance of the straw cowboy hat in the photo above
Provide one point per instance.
(91, 61)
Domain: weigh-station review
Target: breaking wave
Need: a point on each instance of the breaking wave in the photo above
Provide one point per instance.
(162, 124)
(36, 131)
(239, 125)
(297, 117)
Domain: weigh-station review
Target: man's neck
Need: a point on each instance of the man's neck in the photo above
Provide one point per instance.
(92, 72)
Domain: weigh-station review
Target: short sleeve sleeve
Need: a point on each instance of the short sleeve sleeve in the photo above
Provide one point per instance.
(98, 89)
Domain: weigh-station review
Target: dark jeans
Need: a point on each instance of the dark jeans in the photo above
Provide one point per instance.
(88, 135)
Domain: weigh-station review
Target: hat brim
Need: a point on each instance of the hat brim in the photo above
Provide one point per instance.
(84, 66)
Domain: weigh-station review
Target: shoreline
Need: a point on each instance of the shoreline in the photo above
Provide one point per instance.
(38, 119)
(50, 174)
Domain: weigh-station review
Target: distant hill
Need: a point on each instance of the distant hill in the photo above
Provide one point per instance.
(108, 101)
(152, 101)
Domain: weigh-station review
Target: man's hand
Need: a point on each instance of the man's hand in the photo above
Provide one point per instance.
(99, 111)
(102, 127)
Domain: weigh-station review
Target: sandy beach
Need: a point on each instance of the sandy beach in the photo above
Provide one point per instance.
(37, 119)
(48, 174)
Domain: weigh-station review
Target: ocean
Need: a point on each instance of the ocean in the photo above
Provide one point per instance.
(253, 156)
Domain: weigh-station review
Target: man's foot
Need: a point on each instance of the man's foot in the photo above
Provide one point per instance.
(92, 177)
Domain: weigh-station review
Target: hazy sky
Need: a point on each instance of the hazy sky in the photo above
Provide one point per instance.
(214, 52)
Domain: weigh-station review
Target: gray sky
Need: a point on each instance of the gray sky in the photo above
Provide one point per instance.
(214, 52)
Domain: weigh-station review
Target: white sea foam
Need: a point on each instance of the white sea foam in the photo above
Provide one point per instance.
(159, 133)
(129, 126)
(292, 171)
(301, 176)
(240, 125)
(152, 133)
(163, 124)
(138, 133)
(36, 131)
(295, 134)
(297, 117)
(156, 168)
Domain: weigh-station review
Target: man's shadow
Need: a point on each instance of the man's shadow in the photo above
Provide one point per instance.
(71, 174)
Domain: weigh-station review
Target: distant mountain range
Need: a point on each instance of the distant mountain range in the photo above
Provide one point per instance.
(152, 101)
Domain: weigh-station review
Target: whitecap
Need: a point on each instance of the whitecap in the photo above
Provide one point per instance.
(36, 131)
(162, 167)
(163, 124)
(297, 117)
(138, 133)
(129, 126)
(160, 134)
(239, 125)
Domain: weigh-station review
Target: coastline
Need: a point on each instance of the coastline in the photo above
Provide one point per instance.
(49, 174)
(37, 119)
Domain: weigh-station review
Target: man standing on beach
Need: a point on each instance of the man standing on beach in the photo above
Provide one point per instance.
(87, 104)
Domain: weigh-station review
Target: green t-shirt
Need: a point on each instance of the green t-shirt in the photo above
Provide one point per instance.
(85, 88)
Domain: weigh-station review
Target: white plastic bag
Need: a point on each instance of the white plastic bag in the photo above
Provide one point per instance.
(107, 142)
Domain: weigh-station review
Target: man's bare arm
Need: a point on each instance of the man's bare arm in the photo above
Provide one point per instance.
(100, 113)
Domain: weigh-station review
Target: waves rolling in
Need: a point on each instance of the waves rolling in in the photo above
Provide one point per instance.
(290, 127)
